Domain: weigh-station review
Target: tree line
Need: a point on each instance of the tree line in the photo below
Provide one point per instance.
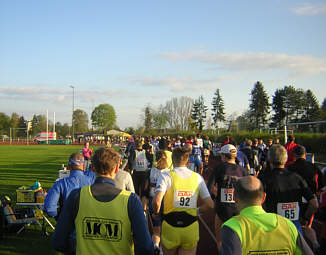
(287, 105)
(103, 118)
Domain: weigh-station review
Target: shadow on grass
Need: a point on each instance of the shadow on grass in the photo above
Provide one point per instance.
(29, 242)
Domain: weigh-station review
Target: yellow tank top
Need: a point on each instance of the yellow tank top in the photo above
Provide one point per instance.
(103, 227)
(256, 240)
(182, 196)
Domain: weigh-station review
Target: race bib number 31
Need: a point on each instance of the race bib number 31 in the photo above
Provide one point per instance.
(185, 199)
(227, 196)
(289, 210)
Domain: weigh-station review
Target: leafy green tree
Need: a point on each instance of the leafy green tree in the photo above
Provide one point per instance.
(63, 130)
(218, 108)
(80, 120)
(199, 110)
(4, 124)
(259, 105)
(103, 117)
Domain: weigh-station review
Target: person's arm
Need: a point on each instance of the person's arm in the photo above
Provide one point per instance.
(129, 183)
(51, 200)
(157, 200)
(208, 203)
(302, 248)
(312, 208)
(142, 238)
(66, 223)
(231, 244)
(211, 182)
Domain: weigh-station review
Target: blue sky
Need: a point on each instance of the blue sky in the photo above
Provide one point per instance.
(133, 53)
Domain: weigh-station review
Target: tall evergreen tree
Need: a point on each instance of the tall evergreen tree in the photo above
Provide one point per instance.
(311, 110)
(148, 119)
(285, 105)
(199, 110)
(218, 108)
(22, 127)
(259, 106)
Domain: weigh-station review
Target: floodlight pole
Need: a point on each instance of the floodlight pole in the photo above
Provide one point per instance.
(73, 109)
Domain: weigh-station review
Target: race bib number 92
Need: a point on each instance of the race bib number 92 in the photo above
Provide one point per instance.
(185, 199)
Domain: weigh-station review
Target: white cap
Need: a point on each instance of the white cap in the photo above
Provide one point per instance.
(228, 149)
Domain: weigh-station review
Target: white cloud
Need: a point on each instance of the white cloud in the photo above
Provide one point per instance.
(54, 94)
(181, 84)
(254, 61)
(309, 9)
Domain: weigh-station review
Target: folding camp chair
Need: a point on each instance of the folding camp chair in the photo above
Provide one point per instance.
(15, 221)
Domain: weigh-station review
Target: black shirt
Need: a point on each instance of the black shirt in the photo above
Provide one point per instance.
(308, 172)
(284, 186)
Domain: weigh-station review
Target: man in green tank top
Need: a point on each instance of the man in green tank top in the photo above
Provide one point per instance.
(256, 232)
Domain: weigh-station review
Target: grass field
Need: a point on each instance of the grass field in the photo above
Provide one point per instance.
(23, 165)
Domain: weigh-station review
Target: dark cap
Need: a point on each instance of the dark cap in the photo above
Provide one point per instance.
(299, 150)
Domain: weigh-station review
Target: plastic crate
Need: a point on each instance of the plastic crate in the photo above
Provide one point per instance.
(25, 196)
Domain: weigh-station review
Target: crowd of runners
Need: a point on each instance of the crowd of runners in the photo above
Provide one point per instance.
(175, 180)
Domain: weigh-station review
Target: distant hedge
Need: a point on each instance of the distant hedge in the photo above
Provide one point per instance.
(314, 142)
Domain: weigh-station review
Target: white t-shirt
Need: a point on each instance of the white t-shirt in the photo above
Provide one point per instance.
(164, 181)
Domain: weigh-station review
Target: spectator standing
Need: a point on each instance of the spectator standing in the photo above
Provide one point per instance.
(87, 153)
(60, 191)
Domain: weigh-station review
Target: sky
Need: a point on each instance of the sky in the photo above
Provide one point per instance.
(131, 54)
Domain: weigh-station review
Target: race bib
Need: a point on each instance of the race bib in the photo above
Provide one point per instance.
(289, 210)
(227, 196)
(185, 199)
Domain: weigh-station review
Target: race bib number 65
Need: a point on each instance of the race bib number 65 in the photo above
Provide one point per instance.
(289, 210)
(184, 199)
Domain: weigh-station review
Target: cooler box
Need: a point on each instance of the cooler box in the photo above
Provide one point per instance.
(25, 196)
(63, 174)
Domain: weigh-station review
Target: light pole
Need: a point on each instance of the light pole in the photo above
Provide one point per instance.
(73, 109)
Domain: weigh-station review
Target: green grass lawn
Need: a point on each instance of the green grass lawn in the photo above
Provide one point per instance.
(23, 165)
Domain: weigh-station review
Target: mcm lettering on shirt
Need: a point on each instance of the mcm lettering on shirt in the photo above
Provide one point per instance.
(102, 229)
(289, 210)
(185, 199)
(227, 195)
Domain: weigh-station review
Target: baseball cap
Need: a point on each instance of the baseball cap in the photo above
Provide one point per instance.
(228, 149)
(299, 150)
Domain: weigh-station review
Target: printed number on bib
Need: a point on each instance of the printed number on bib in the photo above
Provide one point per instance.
(288, 210)
(227, 196)
(184, 199)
